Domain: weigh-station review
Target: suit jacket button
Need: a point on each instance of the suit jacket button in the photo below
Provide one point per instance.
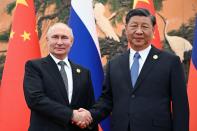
(133, 96)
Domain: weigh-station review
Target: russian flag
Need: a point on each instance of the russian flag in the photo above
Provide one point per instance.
(192, 84)
(85, 50)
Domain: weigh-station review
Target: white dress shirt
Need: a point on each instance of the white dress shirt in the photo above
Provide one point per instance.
(68, 70)
(143, 55)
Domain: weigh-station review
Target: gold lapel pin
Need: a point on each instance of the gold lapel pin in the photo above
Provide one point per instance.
(155, 57)
(78, 70)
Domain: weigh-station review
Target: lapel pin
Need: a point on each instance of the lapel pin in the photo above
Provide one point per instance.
(78, 70)
(155, 57)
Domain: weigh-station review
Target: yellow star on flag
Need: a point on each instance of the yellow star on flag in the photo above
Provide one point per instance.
(136, 1)
(26, 36)
(23, 2)
(12, 34)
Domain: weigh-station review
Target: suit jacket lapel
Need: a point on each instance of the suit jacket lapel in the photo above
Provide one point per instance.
(124, 63)
(151, 59)
(75, 74)
(54, 71)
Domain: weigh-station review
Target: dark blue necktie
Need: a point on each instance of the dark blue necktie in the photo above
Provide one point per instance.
(135, 68)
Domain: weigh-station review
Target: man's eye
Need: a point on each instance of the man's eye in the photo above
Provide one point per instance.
(64, 37)
(145, 26)
(133, 25)
(55, 37)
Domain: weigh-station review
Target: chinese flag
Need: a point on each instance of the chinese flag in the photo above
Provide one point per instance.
(23, 45)
(192, 85)
(148, 4)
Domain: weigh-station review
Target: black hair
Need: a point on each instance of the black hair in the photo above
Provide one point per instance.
(140, 12)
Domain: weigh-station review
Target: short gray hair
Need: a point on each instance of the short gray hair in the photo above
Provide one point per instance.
(57, 25)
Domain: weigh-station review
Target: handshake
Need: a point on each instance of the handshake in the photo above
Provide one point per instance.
(81, 118)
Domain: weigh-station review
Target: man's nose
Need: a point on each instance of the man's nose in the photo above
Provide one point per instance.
(139, 30)
(59, 41)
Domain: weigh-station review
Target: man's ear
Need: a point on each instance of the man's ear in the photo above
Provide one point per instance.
(72, 39)
(153, 29)
(125, 30)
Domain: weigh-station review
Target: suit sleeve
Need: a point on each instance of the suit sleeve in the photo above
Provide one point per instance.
(38, 101)
(180, 106)
(91, 102)
(91, 96)
(103, 106)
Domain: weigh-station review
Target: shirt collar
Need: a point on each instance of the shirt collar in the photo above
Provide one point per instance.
(143, 53)
(58, 60)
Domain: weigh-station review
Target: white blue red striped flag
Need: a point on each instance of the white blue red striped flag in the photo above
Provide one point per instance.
(85, 50)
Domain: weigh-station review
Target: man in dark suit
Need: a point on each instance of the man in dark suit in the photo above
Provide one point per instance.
(55, 87)
(144, 88)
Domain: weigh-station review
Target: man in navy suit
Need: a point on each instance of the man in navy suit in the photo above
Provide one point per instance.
(55, 87)
(144, 88)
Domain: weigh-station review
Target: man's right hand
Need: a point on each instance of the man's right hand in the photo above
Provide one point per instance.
(82, 118)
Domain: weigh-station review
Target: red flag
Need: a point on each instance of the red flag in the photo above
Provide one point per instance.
(192, 85)
(148, 4)
(23, 45)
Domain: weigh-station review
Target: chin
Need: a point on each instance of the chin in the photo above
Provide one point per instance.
(139, 44)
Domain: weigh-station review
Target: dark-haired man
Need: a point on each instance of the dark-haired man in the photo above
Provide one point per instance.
(144, 88)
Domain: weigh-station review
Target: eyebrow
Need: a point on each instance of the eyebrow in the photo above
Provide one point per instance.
(55, 35)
